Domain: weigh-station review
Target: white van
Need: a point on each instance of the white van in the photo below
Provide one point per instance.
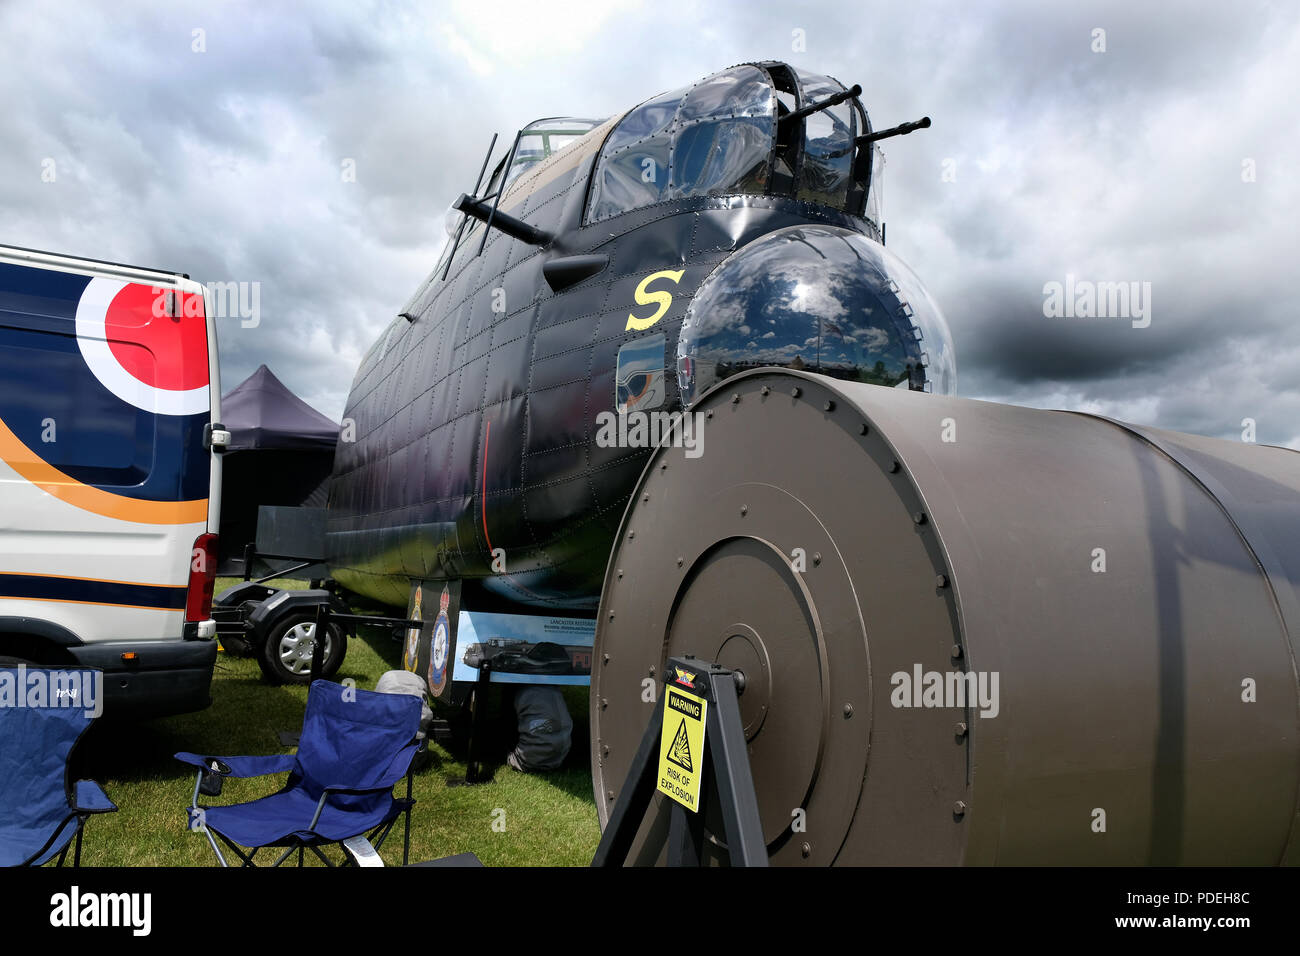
(109, 480)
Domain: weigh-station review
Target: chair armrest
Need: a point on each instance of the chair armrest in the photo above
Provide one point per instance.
(241, 766)
(89, 797)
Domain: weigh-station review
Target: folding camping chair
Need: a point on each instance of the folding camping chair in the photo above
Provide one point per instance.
(355, 746)
(42, 716)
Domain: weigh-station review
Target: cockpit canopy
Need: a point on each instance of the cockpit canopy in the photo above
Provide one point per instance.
(538, 140)
(725, 135)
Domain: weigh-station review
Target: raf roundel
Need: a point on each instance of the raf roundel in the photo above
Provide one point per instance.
(157, 363)
(440, 646)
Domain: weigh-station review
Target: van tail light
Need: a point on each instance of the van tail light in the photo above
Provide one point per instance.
(203, 577)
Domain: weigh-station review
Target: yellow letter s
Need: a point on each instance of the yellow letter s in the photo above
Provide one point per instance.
(664, 299)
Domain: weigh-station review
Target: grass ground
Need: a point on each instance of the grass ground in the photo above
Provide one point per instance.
(514, 820)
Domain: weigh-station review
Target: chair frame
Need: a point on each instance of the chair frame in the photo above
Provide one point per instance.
(294, 842)
(82, 816)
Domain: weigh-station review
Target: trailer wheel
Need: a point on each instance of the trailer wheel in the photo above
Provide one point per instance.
(285, 656)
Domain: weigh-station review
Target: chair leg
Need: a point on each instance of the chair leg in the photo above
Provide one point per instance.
(283, 856)
(234, 848)
(217, 850)
(76, 858)
(406, 840)
(221, 857)
(323, 858)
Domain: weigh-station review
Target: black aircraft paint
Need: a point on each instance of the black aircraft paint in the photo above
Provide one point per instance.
(729, 224)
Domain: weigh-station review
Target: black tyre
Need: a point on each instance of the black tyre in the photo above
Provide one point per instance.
(285, 657)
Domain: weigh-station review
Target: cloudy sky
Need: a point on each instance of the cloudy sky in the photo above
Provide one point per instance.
(313, 150)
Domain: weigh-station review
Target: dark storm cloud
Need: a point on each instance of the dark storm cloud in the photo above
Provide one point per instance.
(1123, 165)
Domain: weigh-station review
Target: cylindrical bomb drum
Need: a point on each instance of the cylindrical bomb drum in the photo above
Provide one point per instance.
(970, 633)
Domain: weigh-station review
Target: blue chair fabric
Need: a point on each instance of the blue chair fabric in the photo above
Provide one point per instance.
(355, 746)
(41, 808)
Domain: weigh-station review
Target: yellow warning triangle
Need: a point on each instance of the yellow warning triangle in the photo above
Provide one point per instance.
(680, 752)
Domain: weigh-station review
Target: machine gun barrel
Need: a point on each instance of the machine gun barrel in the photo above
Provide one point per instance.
(515, 228)
(902, 129)
(835, 100)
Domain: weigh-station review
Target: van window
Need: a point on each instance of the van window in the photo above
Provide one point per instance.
(53, 422)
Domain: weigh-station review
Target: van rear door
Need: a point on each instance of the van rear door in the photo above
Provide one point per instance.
(108, 387)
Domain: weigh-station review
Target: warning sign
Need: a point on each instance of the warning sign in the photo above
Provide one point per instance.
(681, 752)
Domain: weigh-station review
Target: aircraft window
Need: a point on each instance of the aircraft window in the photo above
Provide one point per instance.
(742, 91)
(826, 173)
(542, 138)
(721, 136)
(645, 121)
(723, 155)
(713, 138)
(539, 140)
(639, 375)
(636, 177)
(875, 209)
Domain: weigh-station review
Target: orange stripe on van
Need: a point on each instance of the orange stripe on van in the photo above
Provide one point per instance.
(54, 482)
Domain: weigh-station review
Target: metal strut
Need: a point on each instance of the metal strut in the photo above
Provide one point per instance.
(725, 760)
